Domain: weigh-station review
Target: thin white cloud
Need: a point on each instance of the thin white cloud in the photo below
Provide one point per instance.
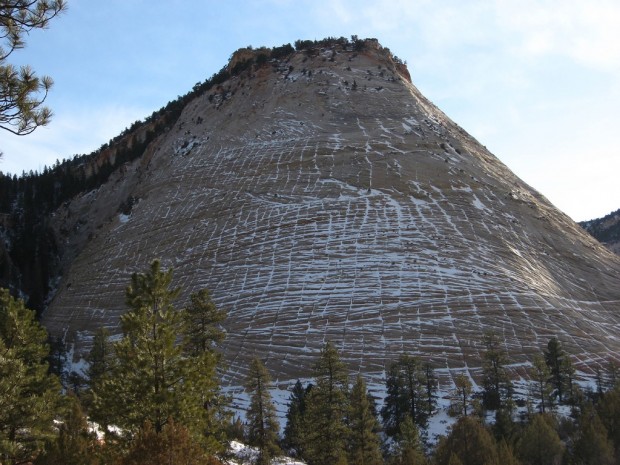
(588, 32)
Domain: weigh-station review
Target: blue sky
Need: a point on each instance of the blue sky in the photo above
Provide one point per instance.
(536, 81)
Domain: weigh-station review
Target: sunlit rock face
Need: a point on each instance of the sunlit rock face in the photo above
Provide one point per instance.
(323, 198)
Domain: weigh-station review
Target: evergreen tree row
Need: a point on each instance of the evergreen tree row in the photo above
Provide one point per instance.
(154, 395)
(331, 422)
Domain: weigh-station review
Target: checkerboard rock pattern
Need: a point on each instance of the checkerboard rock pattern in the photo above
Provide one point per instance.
(324, 198)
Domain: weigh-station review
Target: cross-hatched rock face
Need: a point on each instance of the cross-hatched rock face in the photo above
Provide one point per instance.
(324, 198)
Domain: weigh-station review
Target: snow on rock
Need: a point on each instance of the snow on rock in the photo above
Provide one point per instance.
(316, 212)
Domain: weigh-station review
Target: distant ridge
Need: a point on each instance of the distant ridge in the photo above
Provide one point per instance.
(606, 230)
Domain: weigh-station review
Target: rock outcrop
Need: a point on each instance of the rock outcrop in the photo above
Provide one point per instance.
(322, 197)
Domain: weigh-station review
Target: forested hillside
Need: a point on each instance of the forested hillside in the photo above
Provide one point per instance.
(606, 230)
(155, 395)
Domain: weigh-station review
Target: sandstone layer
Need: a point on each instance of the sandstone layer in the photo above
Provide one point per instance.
(322, 197)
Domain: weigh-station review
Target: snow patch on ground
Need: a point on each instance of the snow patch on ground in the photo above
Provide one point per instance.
(246, 455)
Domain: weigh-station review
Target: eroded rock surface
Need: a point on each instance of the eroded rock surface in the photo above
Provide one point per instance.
(324, 198)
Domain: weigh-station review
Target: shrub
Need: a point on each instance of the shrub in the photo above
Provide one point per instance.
(173, 445)
(282, 51)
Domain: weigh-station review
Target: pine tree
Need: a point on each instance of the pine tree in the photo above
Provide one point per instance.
(414, 384)
(470, 441)
(609, 413)
(29, 395)
(454, 459)
(462, 393)
(505, 454)
(612, 375)
(76, 383)
(568, 373)
(504, 427)
(295, 419)
(554, 357)
(540, 443)
(600, 382)
(261, 416)
(593, 447)
(205, 404)
(410, 391)
(201, 339)
(100, 361)
(364, 444)
(101, 356)
(154, 375)
(409, 450)
(173, 445)
(75, 444)
(58, 358)
(236, 430)
(540, 379)
(204, 320)
(394, 409)
(150, 366)
(327, 406)
(430, 382)
(497, 387)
